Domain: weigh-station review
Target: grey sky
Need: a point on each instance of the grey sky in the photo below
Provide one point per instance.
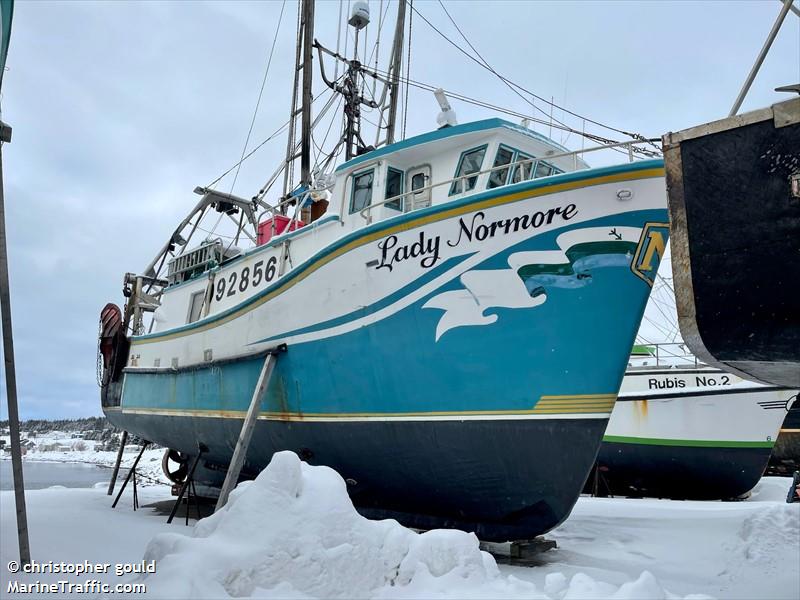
(120, 109)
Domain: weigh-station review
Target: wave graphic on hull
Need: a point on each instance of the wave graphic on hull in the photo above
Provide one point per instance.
(525, 283)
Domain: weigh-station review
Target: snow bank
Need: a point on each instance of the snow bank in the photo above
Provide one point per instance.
(293, 533)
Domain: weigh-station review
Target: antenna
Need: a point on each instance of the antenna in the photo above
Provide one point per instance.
(446, 118)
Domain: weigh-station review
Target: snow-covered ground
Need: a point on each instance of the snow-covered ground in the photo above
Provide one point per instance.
(292, 533)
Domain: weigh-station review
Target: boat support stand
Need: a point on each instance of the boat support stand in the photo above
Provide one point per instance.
(242, 444)
(521, 553)
(131, 474)
(188, 486)
(112, 483)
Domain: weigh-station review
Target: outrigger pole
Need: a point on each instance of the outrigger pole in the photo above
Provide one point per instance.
(6, 12)
(787, 6)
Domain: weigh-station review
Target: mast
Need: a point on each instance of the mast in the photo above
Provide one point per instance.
(303, 60)
(351, 84)
(305, 134)
(395, 67)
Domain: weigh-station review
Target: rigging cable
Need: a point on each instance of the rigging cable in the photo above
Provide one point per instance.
(376, 49)
(482, 62)
(494, 107)
(408, 65)
(338, 39)
(260, 94)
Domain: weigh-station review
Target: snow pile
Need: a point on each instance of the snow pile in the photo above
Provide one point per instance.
(293, 533)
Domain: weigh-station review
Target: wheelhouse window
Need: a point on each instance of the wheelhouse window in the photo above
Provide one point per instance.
(500, 176)
(195, 306)
(522, 170)
(470, 162)
(361, 194)
(543, 169)
(394, 187)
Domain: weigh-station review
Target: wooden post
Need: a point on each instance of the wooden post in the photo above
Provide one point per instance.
(11, 373)
(114, 474)
(240, 452)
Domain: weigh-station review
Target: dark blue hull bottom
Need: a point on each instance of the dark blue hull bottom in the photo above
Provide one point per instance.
(678, 472)
(502, 479)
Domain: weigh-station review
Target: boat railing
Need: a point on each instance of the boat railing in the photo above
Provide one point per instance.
(632, 146)
(666, 354)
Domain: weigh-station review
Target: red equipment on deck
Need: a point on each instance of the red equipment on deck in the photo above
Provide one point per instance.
(281, 222)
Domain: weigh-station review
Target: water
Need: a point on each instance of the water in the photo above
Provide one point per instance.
(39, 475)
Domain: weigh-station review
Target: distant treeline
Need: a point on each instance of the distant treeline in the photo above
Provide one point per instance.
(96, 429)
(91, 428)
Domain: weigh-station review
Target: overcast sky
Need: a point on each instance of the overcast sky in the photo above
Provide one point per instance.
(119, 109)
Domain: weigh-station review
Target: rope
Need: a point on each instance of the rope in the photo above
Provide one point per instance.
(260, 94)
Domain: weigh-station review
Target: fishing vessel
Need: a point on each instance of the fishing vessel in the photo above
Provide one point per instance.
(436, 305)
(683, 430)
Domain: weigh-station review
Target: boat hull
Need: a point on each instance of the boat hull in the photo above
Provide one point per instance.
(689, 434)
(735, 262)
(445, 361)
(502, 479)
(785, 457)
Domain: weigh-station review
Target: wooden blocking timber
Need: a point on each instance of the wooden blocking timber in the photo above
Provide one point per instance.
(242, 444)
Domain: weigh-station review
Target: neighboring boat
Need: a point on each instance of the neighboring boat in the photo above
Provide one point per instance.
(785, 458)
(456, 326)
(734, 201)
(688, 431)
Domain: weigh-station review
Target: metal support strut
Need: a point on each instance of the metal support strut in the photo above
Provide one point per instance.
(787, 6)
(123, 440)
(188, 485)
(132, 474)
(242, 444)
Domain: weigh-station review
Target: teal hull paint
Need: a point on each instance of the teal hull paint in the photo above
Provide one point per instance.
(396, 366)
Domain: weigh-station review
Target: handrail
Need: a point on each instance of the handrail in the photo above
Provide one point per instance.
(661, 357)
(629, 145)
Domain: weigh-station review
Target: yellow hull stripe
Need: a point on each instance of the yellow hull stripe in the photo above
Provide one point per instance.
(587, 404)
(423, 220)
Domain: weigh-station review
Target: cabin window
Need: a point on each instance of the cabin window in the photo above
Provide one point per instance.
(500, 176)
(543, 169)
(522, 172)
(394, 187)
(195, 306)
(361, 195)
(470, 162)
